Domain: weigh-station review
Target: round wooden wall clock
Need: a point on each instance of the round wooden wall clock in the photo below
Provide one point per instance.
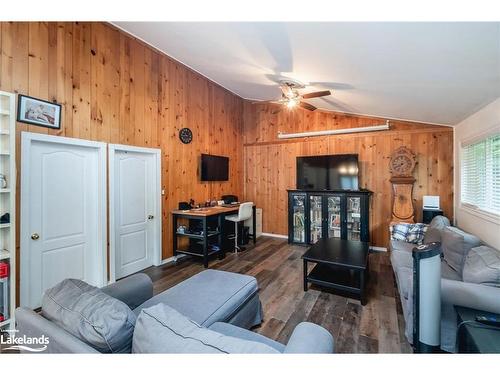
(185, 135)
(401, 166)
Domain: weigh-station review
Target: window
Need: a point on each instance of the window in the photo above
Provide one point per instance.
(480, 177)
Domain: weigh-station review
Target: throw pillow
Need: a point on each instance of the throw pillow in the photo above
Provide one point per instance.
(412, 233)
(456, 244)
(161, 329)
(416, 233)
(101, 321)
(436, 226)
(399, 231)
(482, 266)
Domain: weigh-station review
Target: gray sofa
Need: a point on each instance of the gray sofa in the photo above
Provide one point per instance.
(456, 245)
(222, 306)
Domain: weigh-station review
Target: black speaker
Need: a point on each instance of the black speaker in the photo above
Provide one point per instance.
(428, 215)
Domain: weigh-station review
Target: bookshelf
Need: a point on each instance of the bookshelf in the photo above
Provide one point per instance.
(7, 205)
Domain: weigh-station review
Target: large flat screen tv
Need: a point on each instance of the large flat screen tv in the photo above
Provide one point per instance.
(328, 172)
(214, 168)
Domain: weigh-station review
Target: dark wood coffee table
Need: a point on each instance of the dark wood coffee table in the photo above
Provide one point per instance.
(340, 265)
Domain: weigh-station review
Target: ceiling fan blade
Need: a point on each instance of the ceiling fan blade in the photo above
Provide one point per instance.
(316, 94)
(307, 106)
(266, 102)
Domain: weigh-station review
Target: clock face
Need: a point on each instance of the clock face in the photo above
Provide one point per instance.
(185, 135)
(402, 162)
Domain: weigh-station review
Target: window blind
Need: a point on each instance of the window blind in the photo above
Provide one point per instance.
(480, 177)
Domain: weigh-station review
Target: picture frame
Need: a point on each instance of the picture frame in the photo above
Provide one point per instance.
(38, 112)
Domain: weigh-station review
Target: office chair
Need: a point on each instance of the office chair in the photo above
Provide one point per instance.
(244, 213)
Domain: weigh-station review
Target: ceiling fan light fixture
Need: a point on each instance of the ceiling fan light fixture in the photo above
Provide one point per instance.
(292, 103)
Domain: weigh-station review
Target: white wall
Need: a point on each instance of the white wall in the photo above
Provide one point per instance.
(480, 123)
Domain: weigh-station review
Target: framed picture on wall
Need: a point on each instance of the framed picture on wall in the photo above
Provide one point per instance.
(38, 112)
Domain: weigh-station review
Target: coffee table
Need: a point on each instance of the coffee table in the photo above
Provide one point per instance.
(340, 265)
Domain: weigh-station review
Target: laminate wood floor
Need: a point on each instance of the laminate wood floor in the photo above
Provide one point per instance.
(377, 327)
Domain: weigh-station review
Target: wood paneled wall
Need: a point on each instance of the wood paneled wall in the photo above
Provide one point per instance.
(270, 164)
(115, 89)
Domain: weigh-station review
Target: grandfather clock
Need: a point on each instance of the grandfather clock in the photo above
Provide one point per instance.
(401, 166)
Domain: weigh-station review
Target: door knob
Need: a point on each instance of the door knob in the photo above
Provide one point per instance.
(150, 217)
(35, 236)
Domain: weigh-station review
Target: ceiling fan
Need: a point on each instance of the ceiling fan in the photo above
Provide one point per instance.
(290, 96)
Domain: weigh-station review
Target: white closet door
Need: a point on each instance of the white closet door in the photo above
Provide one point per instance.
(63, 208)
(134, 210)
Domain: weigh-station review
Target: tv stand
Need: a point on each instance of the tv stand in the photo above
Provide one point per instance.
(315, 214)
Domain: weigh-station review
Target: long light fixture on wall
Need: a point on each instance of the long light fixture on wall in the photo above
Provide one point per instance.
(318, 133)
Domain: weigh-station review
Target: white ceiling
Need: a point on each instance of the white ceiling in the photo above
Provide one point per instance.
(431, 72)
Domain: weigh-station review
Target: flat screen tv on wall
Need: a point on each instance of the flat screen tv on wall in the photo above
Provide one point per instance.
(214, 168)
(328, 172)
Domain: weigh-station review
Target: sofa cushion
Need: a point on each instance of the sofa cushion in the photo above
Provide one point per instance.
(456, 244)
(436, 226)
(245, 334)
(101, 321)
(449, 273)
(162, 329)
(401, 246)
(482, 266)
(208, 297)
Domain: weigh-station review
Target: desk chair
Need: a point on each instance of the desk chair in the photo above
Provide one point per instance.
(244, 213)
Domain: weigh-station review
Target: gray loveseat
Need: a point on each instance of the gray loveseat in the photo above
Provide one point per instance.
(456, 245)
(220, 306)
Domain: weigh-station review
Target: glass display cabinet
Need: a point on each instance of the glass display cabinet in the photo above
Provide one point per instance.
(315, 217)
(334, 217)
(354, 218)
(328, 214)
(297, 216)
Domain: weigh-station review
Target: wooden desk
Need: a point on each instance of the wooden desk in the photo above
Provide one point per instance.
(204, 214)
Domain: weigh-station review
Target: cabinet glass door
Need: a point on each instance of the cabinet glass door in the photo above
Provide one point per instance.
(316, 217)
(334, 219)
(354, 218)
(299, 213)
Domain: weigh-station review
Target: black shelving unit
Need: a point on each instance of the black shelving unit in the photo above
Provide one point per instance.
(200, 244)
(315, 214)
(207, 233)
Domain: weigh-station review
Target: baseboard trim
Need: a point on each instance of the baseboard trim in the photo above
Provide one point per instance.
(378, 249)
(167, 260)
(275, 235)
